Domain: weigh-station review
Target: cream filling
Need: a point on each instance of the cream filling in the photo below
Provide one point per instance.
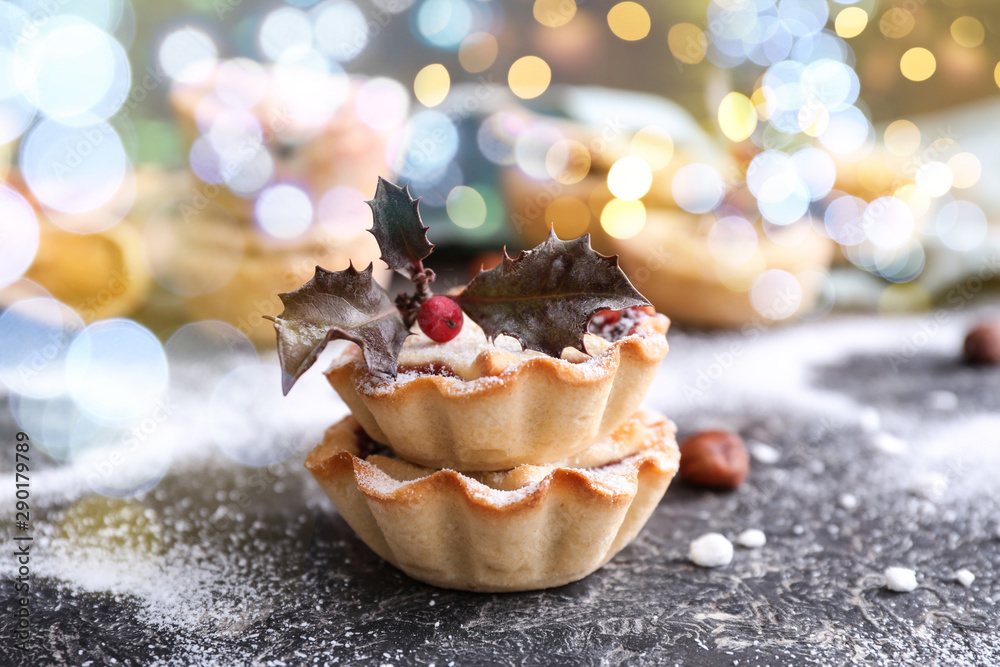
(471, 356)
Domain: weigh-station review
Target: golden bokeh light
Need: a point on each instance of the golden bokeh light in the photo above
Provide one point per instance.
(569, 216)
(765, 102)
(737, 116)
(478, 51)
(654, 145)
(968, 31)
(432, 84)
(897, 23)
(902, 138)
(529, 76)
(814, 121)
(851, 22)
(554, 13)
(687, 43)
(918, 202)
(917, 64)
(568, 161)
(966, 169)
(623, 219)
(629, 21)
(996, 74)
(630, 178)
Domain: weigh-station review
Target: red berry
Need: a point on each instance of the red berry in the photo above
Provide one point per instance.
(440, 318)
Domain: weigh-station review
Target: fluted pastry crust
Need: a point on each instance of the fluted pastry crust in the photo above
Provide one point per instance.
(504, 409)
(524, 529)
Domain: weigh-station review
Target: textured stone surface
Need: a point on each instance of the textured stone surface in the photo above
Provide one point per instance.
(222, 563)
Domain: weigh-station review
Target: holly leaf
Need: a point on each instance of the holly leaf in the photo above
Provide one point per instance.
(401, 235)
(344, 305)
(546, 296)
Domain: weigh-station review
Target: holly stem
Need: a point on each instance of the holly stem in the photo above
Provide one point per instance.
(409, 304)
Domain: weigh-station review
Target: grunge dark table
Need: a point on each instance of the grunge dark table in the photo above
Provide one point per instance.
(875, 447)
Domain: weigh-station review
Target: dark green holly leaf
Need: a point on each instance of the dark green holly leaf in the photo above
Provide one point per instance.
(546, 296)
(401, 235)
(344, 305)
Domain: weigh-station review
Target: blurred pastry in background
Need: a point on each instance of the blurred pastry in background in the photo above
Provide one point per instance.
(638, 174)
(283, 160)
(246, 127)
(227, 270)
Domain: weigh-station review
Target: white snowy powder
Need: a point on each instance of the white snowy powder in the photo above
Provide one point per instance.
(763, 453)
(711, 550)
(941, 400)
(900, 579)
(752, 538)
(869, 419)
(889, 443)
(931, 486)
(964, 577)
(848, 501)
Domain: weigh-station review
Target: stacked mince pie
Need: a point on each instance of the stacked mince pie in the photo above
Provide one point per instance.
(485, 467)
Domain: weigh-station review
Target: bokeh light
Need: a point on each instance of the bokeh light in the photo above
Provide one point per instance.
(284, 211)
(888, 223)
(654, 145)
(732, 240)
(74, 169)
(697, 188)
(629, 21)
(776, 294)
(188, 55)
(284, 29)
(554, 13)
(18, 235)
(968, 31)
(73, 72)
(116, 370)
(431, 85)
(961, 225)
(737, 116)
(918, 64)
(35, 338)
(934, 178)
(902, 138)
(630, 178)
(896, 23)
(466, 207)
(343, 211)
(382, 103)
(478, 51)
(623, 219)
(687, 43)
(528, 77)
(851, 22)
(340, 29)
(568, 161)
(966, 170)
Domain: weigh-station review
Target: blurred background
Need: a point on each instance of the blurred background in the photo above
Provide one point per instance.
(167, 168)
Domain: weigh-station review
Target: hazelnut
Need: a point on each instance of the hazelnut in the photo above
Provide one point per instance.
(982, 345)
(715, 458)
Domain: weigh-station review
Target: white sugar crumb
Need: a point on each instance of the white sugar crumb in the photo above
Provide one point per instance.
(964, 577)
(869, 419)
(931, 486)
(764, 453)
(889, 443)
(752, 538)
(944, 401)
(900, 579)
(848, 501)
(711, 550)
